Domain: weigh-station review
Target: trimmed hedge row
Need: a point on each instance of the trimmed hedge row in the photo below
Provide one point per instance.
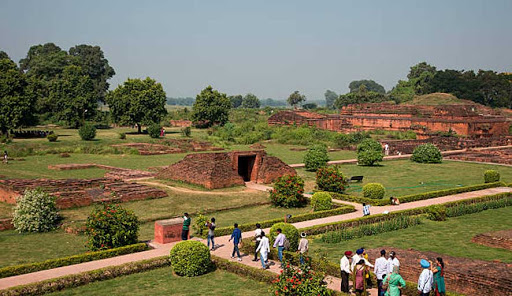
(297, 218)
(361, 200)
(84, 278)
(465, 209)
(75, 259)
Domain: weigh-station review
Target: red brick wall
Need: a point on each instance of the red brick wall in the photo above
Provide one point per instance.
(6, 224)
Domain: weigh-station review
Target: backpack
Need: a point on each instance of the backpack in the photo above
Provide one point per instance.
(286, 244)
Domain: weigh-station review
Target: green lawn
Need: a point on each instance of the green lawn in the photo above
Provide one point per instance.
(451, 237)
(162, 282)
(402, 177)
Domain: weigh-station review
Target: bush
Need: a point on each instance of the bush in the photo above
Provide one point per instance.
(199, 224)
(476, 207)
(369, 152)
(190, 258)
(437, 213)
(154, 130)
(316, 157)
(361, 200)
(290, 231)
(321, 201)
(122, 136)
(111, 226)
(491, 176)
(35, 211)
(186, 131)
(427, 153)
(87, 132)
(330, 179)
(52, 137)
(374, 191)
(301, 281)
(288, 192)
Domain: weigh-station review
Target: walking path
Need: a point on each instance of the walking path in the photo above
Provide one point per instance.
(224, 247)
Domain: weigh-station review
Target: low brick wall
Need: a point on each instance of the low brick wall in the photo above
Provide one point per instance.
(499, 239)
(6, 224)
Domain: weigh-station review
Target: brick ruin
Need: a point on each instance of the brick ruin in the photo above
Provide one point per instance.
(112, 172)
(498, 239)
(462, 275)
(219, 170)
(446, 143)
(80, 192)
(501, 156)
(170, 146)
(463, 119)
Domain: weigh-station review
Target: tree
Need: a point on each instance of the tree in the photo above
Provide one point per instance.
(369, 152)
(360, 97)
(45, 61)
(16, 101)
(330, 98)
(369, 84)
(137, 102)
(3, 55)
(250, 101)
(420, 76)
(296, 98)
(236, 101)
(316, 157)
(310, 106)
(210, 108)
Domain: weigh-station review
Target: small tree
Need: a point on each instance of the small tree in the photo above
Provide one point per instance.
(288, 192)
(369, 152)
(210, 108)
(427, 153)
(250, 101)
(321, 201)
(374, 191)
(316, 157)
(330, 179)
(35, 211)
(87, 132)
(491, 176)
(154, 130)
(295, 99)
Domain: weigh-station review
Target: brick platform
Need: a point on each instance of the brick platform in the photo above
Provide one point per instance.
(168, 231)
(170, 146)
(501, 156)
(6, 224)
(499, 239)
(113, 172)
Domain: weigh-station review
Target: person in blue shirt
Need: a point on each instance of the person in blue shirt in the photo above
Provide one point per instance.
(236, 236)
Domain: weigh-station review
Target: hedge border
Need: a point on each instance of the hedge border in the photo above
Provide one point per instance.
(70, 260)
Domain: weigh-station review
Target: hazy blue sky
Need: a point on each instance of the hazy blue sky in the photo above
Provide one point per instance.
(269, 48)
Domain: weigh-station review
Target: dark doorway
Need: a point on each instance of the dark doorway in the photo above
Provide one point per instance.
(245, 165)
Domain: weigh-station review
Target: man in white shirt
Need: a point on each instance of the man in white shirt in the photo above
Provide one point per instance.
(257, 236)
(392, 261)
(345, 271)
(303, 247)
(357, 257)
(426, 279)
(263, 248)
(386, 149)
(381, 269)
(279, 244)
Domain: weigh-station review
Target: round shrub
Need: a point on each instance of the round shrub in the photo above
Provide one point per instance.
(491, 176)
(369, 152)
(190, 258)
(87, 132)
(35, 211)
(154, 130)
(111, 226)
(52, 137)
(374, 191)
(122, 136)
(330, 179)
(291, 233)
(288, 192)
(427, 153)
(321, 201)
(316, 157)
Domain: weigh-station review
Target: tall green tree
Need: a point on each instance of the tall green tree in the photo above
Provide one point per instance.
(330, 98)
(295, 99)
(138, 102)
(236, 101)
(210, 108)
(369, 84)
(250, 101)
(45, 61)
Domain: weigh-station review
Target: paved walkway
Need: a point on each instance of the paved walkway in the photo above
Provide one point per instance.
(224, 247)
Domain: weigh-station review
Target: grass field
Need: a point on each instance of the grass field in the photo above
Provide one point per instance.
(402, 177)
(162, 282)
(451, 237)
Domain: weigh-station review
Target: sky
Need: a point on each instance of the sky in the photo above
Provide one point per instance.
(268, 48)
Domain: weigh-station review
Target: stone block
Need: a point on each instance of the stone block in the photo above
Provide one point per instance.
(168, 231)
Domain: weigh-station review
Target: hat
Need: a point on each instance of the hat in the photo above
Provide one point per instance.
(303, 234)
(348, 253)
(424, 263)
(359, 251)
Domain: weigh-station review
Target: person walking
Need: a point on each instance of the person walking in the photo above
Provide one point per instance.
(392, 261)
(381, 270)
(279, 244)
(263, 248)
(366, 210)
(359, 278)
(369, 283)
(185, 235)
(386, 149)
(211, 233)
(345, 271)
(438, 271)
(6, 157)
(394, 283)
(426, 279)
(303, 247)
(236, 236)
(257, 239)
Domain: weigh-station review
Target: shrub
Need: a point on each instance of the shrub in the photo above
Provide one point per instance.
(491, 176)
(199, 224)
(154, 130)
(35, 211)
(87, 132)
(427, 153)
(321, 201)
(5, 139)
(288, 192)
(290, 231)
(369, 152)
(52, 137)
(301, 281)
(186, 131)
(316, 157)
(111, 226)
(330, 179)
(190, 258)
(374, 191)
(437, 213)
(122, 136)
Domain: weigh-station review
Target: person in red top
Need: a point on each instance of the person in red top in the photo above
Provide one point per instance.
(359, 278)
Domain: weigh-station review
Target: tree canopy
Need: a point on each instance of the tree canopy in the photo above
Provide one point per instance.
(330, 98)
(236, 101)
(250, 101)
(369, 84)
(296, 98)
(210, 108)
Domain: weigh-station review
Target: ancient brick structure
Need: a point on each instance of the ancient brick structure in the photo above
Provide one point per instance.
(6, 224)
(170, 146)
(464, 120)
(113, 172)
(180, 123)
(446, 143)
(462, 275)
(499, 239)
(503, 156)
(219, 170)
(168, 231)
(80, 192)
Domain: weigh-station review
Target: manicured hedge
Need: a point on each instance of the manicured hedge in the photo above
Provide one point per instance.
(297, 218)
(464, 209)
(75, 259)
(361, 200)
(190, 258)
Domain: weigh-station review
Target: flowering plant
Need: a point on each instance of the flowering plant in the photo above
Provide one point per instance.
(35, 211)
(298, 281)
(330, 179)
(288, 192)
